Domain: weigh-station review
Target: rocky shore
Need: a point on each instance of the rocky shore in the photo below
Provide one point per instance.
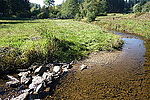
(36, 79)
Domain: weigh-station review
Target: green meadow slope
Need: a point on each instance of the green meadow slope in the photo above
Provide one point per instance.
(24, 42)
(129, 23)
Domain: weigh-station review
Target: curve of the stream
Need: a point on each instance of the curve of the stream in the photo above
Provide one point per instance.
(112, 75)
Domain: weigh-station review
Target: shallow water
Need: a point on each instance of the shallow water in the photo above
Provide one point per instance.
(112, 75)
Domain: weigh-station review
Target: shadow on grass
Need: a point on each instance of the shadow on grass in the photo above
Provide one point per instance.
(17, 22)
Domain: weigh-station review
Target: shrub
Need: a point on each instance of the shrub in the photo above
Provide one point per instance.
(10, 59)
(91, 16)
(137, 8)
(146, 7)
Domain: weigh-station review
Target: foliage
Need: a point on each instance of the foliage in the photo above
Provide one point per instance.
(49, 2)
(35, 10)
(142, 7)
(137, 8)
(146, 7)
(93, 8)
(116, 6)
(91, 16)
(19, 8)
(69, 9)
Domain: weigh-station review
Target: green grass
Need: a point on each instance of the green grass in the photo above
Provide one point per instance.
(29, 41)
(130, 23)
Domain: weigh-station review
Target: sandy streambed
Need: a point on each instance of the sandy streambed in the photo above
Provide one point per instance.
(112, 75)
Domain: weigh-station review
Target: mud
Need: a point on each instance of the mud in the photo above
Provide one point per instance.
(112, 75)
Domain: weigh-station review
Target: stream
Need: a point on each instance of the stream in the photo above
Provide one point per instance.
(112, 75)
(121, 74)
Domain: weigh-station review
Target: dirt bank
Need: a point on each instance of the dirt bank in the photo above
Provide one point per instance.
(115, 75)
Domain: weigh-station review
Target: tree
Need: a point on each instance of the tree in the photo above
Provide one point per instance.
(93, 8)
(70, 8)
(116, 5)
(19, 8)
(35, 10)
(102, 7)
(3, 7)
(49, 2)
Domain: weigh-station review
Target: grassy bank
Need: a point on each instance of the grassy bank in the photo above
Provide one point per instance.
(130, 23)
(24, 42)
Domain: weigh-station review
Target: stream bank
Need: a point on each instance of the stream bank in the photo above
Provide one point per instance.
(113, 75)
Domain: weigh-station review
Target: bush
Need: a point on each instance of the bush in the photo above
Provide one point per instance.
(137, 8)
(42, 15)
(141, 7)
(91, 16)
(146, 7)
(78, 17)
(10, 59)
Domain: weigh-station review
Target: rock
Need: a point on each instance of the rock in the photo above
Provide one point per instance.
(40, 70)
(56, 69)
(82, 67)
(24, 73)
(22, 96)
(25, 79)
(68, 66)
(40, 87)
(13, 84)
(26, 90)
(35, 82)
(33, 67)
(22, 70)
(72, 62)
(65, 69)
(50, 67)
(47, 76)
(12, 78)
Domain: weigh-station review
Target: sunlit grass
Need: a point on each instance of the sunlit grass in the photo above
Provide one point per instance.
(126, 23)
(52, 40)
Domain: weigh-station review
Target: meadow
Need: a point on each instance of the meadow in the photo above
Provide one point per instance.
(138, 23)
(25, 42)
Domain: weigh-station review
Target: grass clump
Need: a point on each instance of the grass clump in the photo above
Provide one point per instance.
(50, 41)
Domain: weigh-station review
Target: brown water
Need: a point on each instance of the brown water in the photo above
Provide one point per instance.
(112, 75)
